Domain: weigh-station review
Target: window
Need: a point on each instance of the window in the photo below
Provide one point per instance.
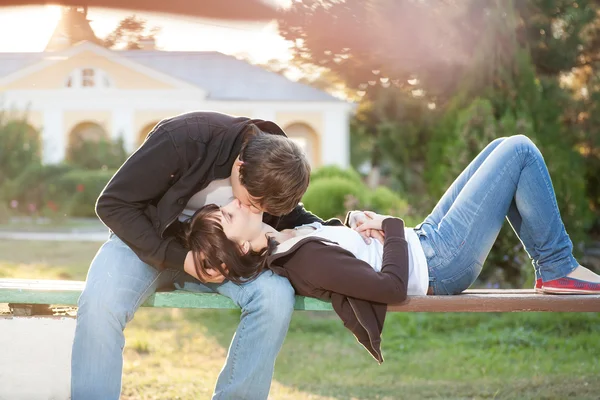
(88, 78)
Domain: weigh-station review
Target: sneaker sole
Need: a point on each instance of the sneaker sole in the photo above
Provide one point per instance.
(567, 291)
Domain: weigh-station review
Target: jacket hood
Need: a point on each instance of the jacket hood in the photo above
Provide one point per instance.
(363, 318)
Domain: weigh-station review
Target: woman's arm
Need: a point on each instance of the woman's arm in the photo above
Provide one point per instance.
(334, 269)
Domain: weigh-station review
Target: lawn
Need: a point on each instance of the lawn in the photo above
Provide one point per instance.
(177, 354)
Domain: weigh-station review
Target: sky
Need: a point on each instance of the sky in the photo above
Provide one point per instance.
(29, 29)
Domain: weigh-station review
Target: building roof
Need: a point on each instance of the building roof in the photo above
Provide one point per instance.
(223, 77)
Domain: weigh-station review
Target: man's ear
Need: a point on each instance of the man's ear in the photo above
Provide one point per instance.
(245, 247)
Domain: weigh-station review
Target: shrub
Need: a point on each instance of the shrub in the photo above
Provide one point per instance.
(20, 148)
(57, 190)
(333, 171)
(385, 201)
(333, 196)
(34, 187)
(82, 189)
(92, 154)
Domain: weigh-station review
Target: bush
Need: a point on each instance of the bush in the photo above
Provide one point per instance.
(82, 189)
(57, 189)
(385, 201)
(34, 188)
(20, 148)
(332, 197)
(91, 154)
(333, 171)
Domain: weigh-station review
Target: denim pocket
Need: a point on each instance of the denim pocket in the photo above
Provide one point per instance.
(461, 279)
(429, 248)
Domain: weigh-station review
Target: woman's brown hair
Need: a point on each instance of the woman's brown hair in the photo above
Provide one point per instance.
(204, 236)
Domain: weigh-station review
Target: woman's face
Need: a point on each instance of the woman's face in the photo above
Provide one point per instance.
(240, 223)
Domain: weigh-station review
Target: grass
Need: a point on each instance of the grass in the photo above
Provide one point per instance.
(43, 225)
(177, 354)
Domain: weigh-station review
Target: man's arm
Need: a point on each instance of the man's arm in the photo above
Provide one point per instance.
(143, 178)
(298, 216)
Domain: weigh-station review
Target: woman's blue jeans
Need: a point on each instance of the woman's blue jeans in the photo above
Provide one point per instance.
(118, 283)
(508, 179)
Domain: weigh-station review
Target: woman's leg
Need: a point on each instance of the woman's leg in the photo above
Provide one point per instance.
(444, 204)
(512, 178)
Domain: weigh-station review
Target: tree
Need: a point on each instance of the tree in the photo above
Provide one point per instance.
(21, 146)
(130, 34)
(439, 79)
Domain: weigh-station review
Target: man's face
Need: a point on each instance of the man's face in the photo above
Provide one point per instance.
(240, 192)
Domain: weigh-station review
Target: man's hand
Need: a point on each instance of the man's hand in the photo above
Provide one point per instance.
(209, 276)
(359, 218)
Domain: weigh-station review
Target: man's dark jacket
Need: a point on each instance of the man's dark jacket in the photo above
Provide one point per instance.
(180, 156)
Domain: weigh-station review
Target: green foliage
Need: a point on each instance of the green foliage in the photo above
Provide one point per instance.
(332, 197)
(20, 147)
(84, 188)
(35, 188)
(334, 191)
(91, 154)
(56, 190)
(5, 213)
(385, 201)
(333, 171)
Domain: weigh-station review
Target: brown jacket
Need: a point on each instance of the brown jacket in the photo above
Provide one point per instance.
(358, 293)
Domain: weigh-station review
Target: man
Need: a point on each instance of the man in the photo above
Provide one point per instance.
(186, 162)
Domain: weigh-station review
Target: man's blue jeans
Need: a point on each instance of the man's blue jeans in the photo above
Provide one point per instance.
(118, 283)
(508, 179)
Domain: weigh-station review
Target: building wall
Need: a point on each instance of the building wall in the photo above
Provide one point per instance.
(54, 76)
(136, 101)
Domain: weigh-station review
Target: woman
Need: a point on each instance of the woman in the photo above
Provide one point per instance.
(442, 256)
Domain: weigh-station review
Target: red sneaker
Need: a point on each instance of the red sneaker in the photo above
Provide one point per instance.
(538, 285)
(568, 285)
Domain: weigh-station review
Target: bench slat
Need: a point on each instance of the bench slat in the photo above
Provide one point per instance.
(515, 300)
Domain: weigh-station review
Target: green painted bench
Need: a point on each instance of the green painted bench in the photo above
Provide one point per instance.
(23, 294)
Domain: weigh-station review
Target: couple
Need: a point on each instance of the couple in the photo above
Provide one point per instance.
(166, 231)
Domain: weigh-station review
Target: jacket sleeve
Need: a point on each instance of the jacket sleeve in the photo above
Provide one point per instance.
(299, 216)
(334, 269)
(143, 178)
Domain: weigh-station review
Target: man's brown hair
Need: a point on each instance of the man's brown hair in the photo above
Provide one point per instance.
(275, 171)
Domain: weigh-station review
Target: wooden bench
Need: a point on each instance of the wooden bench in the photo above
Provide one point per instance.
(22, 294)
(39, 345)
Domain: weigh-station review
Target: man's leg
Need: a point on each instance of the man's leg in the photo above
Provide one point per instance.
(118, 282)
(267, 304)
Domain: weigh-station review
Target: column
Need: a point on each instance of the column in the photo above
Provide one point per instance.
(335, 138)
(123, 127)
(54, 137)
(266, 113)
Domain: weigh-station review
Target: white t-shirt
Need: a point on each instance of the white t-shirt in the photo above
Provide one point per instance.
(217, 192)
(349, 239)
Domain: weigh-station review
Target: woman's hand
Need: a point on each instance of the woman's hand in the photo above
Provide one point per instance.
(373, 223)
(359, 218)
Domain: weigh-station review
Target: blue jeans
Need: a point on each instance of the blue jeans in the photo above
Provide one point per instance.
(508, 179)
(118, 283)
